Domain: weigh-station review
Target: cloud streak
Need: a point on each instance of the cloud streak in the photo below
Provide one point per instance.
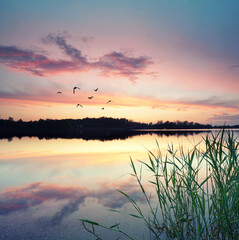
(225, 118)
(69, 50)
(113, 63)
(42, 97)
(36, 194)
(234, 66)
(117, 63)
(35, 64)
(215, 102)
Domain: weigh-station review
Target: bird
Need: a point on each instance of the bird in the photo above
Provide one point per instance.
(59, 92)
(102, 108)
(91, 97)
(74, 89)
(79, 105)
(96, 89)
(109, 101)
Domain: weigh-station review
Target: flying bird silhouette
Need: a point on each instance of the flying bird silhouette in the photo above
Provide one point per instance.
(59, 92)
(109, 101)
(102, 108)
(79, 105)
(96, 89)
(74, 89)
(91, 97)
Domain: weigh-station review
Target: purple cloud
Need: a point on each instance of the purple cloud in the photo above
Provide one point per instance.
(117, 63)
(234, 66)
(225, 118)
(86, 39)
(113, 64)
(68, 49)
(32, 195)
(36, 64)
(214, 101)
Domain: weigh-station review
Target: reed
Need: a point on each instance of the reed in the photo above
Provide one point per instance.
(188, 205)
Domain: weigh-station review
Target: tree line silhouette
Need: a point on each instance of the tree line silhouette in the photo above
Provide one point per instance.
(93, 128)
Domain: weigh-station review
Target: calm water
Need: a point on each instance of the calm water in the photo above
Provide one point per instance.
(47, 185)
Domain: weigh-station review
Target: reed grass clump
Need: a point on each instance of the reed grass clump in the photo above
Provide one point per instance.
(197, 192)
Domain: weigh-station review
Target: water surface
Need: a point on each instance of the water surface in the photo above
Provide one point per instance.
(47, 185)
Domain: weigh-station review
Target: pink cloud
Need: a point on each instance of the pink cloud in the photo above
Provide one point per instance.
(113, 63)
(35, 194)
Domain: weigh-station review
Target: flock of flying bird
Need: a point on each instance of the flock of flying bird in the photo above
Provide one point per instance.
(91, 97)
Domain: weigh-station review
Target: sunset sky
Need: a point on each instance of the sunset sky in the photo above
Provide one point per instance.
(155, 59)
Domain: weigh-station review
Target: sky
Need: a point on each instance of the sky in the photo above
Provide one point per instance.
(155, 60)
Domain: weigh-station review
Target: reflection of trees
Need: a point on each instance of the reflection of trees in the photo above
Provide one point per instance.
(89, 128)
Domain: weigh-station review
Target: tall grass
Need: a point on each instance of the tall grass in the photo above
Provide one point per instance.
(197, 192)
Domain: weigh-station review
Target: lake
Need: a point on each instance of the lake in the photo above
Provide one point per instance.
(47, 185)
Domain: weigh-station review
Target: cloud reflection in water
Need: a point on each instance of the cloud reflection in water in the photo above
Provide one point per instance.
(66, 199)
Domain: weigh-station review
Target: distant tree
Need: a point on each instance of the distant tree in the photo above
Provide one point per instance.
(10, 119)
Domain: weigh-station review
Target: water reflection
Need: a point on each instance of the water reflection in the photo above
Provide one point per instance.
(67, 198)
(49, 205)
(47, 185)
(105, 134)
